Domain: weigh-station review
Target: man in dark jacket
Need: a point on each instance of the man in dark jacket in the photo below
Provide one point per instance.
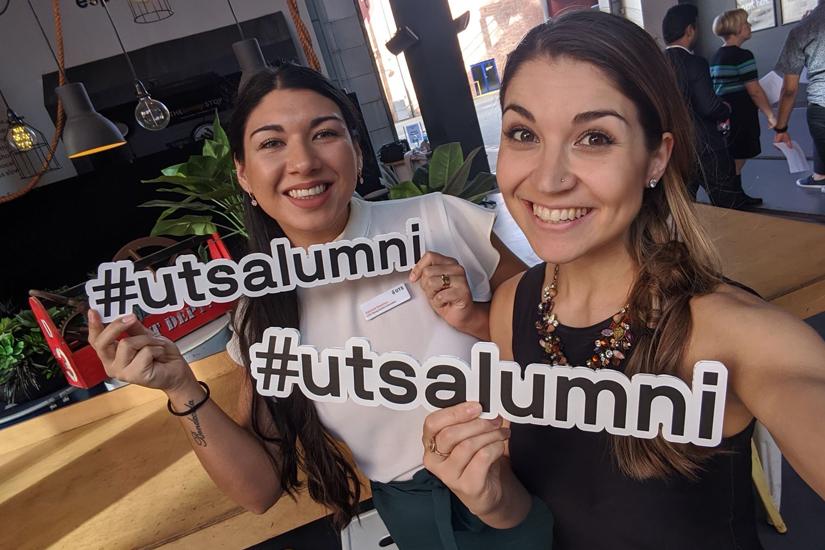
(717, 172)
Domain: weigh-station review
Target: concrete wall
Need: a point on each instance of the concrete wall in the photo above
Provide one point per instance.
(350, 63)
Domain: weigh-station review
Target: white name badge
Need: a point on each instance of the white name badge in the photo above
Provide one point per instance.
(385, 301)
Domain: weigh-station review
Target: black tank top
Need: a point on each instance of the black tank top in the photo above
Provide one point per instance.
(595, 506)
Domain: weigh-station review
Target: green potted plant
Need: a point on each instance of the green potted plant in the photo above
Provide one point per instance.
(28, 370)
(448, 172)
(207, 184)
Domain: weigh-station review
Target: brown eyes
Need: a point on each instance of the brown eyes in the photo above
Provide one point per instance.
(594, 138)
(520, 135)
(272, 143)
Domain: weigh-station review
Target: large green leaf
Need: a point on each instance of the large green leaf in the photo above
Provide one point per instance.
(458, 180)
(218, 134)
(445, 162)
(185, 225)
(421, 176)
(483, 183)
(404, 190)
(188, 204)
(214, 149)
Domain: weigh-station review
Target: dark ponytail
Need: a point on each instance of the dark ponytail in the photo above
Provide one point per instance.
(303, 442)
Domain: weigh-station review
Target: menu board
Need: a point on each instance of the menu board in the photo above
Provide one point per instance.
(794, 10)
(761, 13)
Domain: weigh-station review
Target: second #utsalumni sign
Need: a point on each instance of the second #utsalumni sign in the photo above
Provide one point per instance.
(643, 405)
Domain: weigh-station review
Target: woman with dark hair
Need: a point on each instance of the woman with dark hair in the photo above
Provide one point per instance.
(296, 142)
(592, 164)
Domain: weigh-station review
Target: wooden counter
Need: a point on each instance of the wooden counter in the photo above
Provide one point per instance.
(117, 471)
(783, 260)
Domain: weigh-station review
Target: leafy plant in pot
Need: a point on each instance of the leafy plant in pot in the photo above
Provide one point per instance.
(208, 185)
(448, 172)
(27, 368)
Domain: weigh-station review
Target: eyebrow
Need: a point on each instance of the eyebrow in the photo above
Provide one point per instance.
(586, 116)
(520, 110)
(317, 121)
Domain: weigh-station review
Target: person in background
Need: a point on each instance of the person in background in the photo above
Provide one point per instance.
(717, 172)
(736, 81)
(805, 48)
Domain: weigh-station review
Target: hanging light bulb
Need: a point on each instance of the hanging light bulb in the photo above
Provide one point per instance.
(20, 136)
(150, 113)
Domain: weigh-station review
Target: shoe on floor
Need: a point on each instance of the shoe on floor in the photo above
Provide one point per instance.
(811, 183)
(751, 201)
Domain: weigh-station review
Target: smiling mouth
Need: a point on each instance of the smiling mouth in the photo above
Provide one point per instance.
(308, 193)
(558, 215)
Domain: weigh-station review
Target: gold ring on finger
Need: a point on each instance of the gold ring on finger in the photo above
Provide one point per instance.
(445, 281)
(433, 449)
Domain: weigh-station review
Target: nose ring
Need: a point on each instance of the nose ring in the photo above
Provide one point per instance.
(563, 180)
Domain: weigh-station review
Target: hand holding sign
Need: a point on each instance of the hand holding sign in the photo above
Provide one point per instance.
(444, 281)
(465, 451)
(140, 357)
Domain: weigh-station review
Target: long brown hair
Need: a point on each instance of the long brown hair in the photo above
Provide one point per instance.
(303, 441)
(676, 259)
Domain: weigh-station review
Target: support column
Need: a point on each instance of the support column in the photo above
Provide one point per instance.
(439, 76)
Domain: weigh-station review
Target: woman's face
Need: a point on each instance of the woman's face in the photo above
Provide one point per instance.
(301, 164)
(573, 164)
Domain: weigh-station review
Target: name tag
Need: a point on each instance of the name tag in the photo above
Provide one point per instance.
(385, 301)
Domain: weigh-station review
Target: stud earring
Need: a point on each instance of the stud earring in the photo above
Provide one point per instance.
(652, 183)
(252, 198)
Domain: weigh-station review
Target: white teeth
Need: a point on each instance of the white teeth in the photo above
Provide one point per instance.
(307, 193)
(558, 215)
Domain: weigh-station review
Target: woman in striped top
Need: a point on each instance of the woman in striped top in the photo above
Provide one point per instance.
(735, 80)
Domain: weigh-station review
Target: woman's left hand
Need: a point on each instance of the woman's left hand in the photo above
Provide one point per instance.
(444, 282)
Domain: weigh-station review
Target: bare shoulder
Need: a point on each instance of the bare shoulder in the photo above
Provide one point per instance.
(501, 315)
(739, 328)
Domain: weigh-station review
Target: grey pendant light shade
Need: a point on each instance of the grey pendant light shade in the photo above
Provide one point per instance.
(250, 58)
(86, 131)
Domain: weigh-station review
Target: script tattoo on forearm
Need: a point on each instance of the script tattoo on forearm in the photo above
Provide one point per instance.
(197, 434)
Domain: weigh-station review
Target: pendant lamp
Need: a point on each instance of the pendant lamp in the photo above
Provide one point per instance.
(248, 53)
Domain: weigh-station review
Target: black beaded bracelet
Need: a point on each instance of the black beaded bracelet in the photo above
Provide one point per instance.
(194, 407)
(782, 130)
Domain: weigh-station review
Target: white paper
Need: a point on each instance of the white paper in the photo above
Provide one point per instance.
(797, 160)
(772, 84)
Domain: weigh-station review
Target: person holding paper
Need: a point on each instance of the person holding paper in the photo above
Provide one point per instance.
(296, 140)
(716, 171)
(632, 283)
(805, 48)
(736, 81)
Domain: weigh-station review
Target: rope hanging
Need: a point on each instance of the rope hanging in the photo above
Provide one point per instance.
(303, 35)
(58, 129)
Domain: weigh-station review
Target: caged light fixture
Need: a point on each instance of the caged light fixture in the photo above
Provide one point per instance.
(150, 11)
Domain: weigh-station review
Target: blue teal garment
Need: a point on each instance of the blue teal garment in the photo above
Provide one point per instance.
(731, 68)
(423, 514)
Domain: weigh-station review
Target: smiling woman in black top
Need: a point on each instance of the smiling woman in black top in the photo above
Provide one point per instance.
(594, 154)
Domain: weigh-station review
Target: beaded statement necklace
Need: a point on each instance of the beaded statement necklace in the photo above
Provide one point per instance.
(610, 347)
